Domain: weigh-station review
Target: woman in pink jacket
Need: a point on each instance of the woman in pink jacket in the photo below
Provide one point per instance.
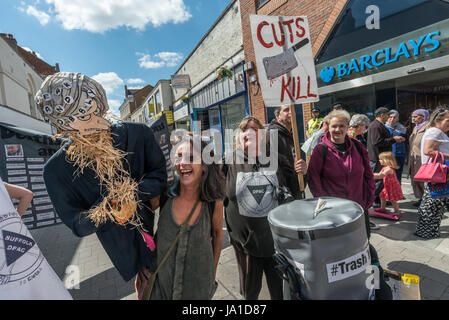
(339, 167)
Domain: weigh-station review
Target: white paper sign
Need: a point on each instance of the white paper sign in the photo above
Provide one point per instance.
(284, 59)
(348, 267)
(24, 272)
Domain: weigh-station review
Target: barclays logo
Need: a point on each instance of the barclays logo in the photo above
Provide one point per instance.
(407, 49)
(327, 74)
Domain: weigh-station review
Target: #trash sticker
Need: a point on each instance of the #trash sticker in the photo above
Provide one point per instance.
(348, 267)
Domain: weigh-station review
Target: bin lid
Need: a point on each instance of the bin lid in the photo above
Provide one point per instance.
(298, 215)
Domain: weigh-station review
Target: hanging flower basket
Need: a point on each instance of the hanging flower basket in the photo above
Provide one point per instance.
(223, 73)
(185, 99)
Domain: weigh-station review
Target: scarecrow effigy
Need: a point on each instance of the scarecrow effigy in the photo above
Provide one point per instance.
(107, 177)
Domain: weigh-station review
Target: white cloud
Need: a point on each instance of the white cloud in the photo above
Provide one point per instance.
(159, 60)
(41, 16)
(135, 88)
(103, 15)
(135, 81)
(171, 59)
(109, 80)
(114, 106)
(37, 53)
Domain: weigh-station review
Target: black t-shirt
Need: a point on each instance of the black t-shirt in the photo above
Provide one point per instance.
(341, 147)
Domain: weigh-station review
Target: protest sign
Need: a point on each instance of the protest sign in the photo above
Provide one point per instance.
(23, 153)
(284, 59)
(24, 272)
(162, 136)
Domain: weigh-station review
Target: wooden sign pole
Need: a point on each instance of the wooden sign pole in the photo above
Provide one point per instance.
(296, 144)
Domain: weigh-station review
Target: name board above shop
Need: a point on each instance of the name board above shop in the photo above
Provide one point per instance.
(404, 50)
(180, 81)
(284, 59)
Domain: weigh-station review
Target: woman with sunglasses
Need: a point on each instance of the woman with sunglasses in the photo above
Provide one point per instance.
(254, 186)
(420, 118)
(434, 140)
(190, 269)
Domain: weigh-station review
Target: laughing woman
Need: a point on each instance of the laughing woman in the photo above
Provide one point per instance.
(189, 271)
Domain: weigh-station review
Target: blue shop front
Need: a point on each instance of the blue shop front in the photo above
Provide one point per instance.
(402, 65)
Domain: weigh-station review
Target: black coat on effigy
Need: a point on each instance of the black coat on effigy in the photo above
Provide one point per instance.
(72, 195)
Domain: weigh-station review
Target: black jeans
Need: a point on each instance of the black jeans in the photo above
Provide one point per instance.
(251, 270)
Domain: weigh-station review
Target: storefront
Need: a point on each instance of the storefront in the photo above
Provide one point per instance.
(221, 105)
(181, 116)
(402, 65)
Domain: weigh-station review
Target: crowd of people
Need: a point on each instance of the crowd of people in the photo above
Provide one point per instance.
(350, 157)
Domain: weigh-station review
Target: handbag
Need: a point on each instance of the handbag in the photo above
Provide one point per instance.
(433, 172)
(440, 190)
(147, 292)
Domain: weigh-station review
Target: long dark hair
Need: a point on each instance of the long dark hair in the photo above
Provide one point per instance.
(213, 185)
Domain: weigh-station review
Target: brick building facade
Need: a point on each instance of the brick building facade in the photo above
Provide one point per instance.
(322, 15)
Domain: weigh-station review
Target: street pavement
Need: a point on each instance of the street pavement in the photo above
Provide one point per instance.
(398, 250)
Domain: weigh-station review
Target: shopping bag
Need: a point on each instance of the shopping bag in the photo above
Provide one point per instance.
(433, 172)
(440, 190)
(403, 286)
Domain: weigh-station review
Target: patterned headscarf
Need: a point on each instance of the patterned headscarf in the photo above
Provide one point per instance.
(65, 95)
(425, 114)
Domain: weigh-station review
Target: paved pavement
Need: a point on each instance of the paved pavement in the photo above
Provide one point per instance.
(397, 247)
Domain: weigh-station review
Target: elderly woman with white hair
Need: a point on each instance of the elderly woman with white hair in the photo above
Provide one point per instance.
(357, 126)
(339, 167)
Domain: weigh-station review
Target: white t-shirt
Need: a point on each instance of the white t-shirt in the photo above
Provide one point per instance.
(435, 134)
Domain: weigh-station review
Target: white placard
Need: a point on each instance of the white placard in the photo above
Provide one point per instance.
(348, 267)
(284, 58)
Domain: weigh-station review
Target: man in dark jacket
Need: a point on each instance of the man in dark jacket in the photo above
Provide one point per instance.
(379, 140)
(89, 199)
(286, 150)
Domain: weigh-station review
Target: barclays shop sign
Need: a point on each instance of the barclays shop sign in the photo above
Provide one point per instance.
(406, 49)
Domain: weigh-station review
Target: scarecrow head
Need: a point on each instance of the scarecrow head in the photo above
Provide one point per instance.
(73, 102)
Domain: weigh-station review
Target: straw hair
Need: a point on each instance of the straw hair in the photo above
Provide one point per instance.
(389, 159)
(96, 152)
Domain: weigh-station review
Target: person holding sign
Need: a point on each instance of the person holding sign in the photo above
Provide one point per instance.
(285, 145)
(24, 272)
(22, 194)
(254, 186)
(107, 177)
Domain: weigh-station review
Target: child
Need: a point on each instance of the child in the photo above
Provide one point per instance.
(392, 189)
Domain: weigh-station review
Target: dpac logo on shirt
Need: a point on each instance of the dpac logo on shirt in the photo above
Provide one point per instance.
(255, 193)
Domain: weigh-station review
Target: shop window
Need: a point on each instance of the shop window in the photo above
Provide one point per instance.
(151, 106)
(232, 113)
(158, 101)
(260, 3)
(396, 18)
(238, 79)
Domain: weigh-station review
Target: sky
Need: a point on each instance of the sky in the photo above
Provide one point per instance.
(116, 42)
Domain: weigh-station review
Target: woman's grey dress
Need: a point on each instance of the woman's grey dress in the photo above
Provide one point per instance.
(188, 274)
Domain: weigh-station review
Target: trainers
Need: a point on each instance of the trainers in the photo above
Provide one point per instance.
(373, 226)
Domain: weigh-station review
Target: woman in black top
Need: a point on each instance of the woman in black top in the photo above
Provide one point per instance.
(251, 192)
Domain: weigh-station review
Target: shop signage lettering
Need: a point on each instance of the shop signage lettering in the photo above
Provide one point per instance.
(284, 59)
(406, 49)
